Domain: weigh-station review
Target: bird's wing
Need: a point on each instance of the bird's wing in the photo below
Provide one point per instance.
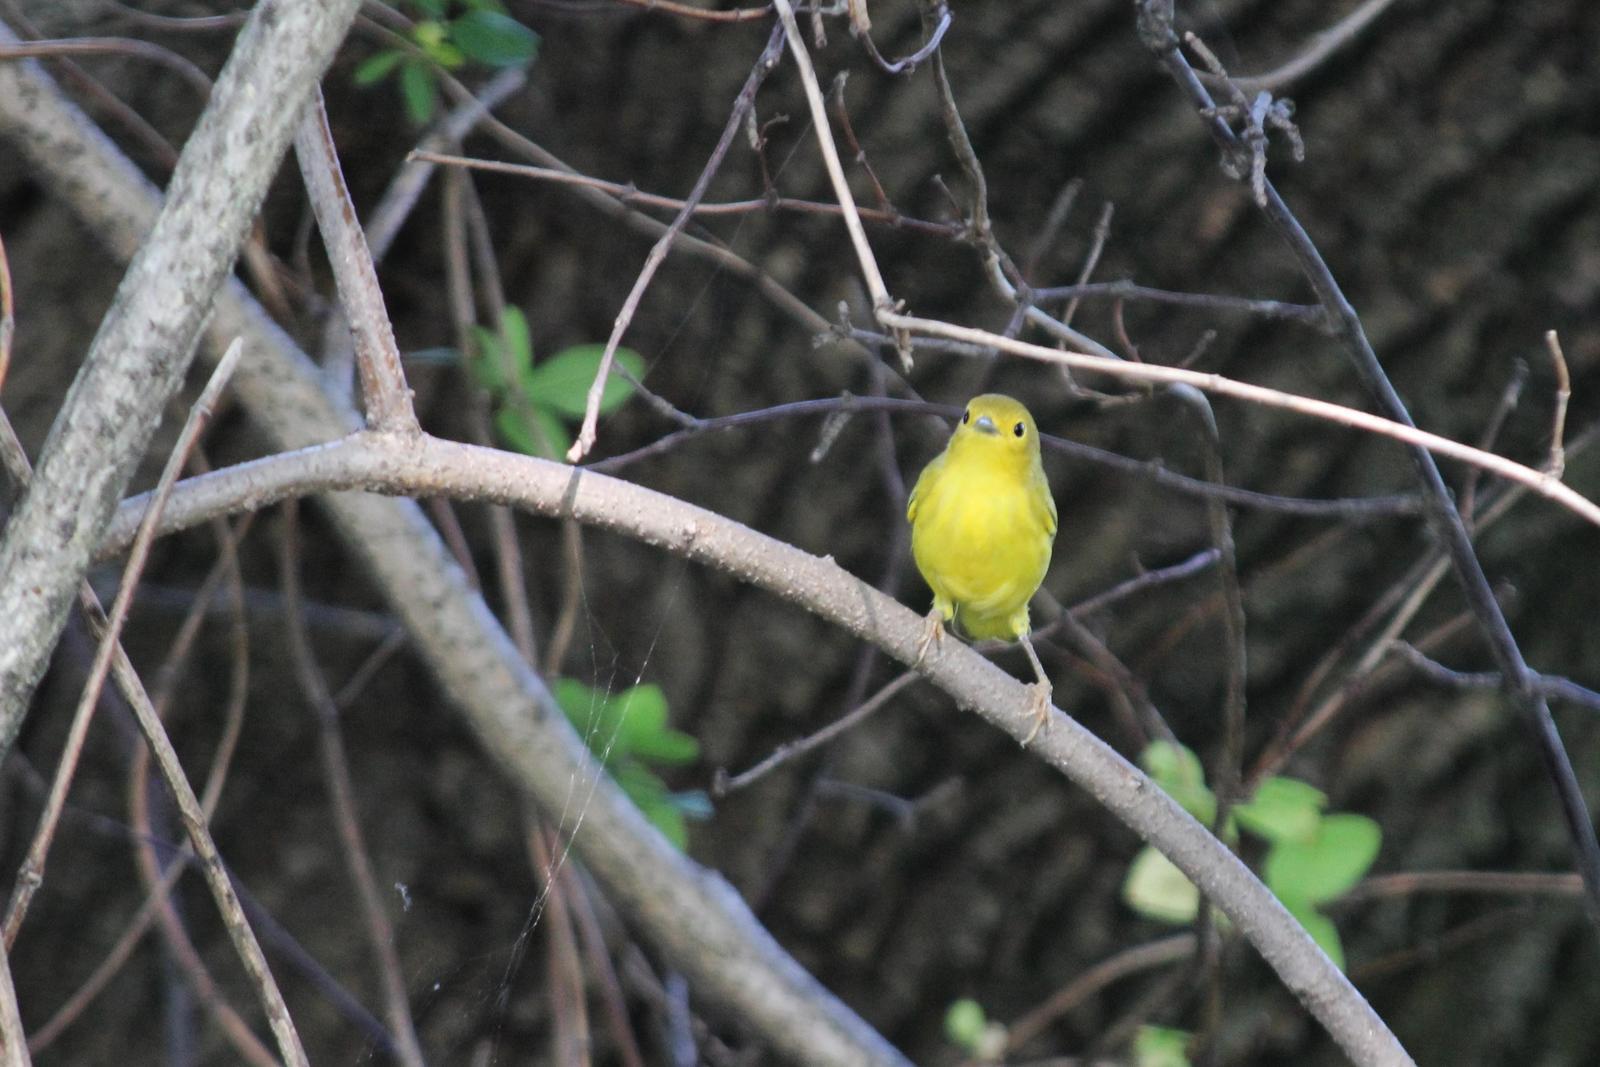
(925, 481)
(1043, 485)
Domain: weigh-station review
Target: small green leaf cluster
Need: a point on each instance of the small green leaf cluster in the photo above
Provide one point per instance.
(1161, 1046)
(534, 403)
(1312, 856)
(968, 1028)
(629, 734)
(448, 35)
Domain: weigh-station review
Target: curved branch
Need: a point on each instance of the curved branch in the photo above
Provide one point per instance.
(426, 466)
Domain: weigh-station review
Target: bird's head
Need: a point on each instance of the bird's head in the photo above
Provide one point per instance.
(997, 425)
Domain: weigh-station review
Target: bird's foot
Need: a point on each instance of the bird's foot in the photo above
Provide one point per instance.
(932, 636)
(1039, 704)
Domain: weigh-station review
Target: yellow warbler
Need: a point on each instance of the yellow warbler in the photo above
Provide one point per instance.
(982, 523)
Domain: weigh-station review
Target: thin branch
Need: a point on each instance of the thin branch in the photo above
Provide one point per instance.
(113, 46)
(341, 797)
(1167, 950)
(910, 62)
(1551, 686)
(1557, 463)
(427, 466)
(1323, 45)
(1306, 314)
(1348, 509)
(32, 873)
(723, 784)
(658, 252)
(1540, 482)
(383, 380)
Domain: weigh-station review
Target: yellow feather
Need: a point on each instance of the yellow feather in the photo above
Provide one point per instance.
(983, 521)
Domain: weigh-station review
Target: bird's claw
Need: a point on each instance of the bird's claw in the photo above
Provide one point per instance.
(932, 636)
(1039, 704)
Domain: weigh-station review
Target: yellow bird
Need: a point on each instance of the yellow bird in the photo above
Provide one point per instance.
(982, 524)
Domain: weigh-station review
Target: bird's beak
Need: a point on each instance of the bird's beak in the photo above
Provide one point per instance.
(985, 425)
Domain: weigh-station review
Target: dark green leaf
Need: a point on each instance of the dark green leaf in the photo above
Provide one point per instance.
(430, 7)
(418, 89)
(562, 381)
(494, 39)
(1335, 858)
(376, 68)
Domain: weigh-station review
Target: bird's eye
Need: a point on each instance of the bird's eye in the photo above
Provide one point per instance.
(1018, 429)
(966, 417)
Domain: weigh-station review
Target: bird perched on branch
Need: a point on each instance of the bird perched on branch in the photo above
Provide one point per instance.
(982, 525)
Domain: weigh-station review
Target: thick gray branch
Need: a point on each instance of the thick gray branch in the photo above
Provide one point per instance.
(145, 342)
(425, 466)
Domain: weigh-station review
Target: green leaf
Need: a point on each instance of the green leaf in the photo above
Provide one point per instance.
(964, 1023)
(1161, 1046)
(1178, 772)
(562, 381)
(1283, 809)
(419, 91)
(494, 39)
(1321, 929)
(649, 794)
(434, 8)
(376, 68)
(1335, 858)
(1158, 890)
(642, 729)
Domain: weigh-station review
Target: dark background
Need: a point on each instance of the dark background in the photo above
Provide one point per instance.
(1451, 179)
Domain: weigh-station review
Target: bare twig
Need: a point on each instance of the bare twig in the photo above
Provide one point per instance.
(1553, 687)
(341, 796)
(1557, 463)
(658, 252)
(33, 867)
(1323, 45)
(383, 381)
(1131, 961)
(1307, 314)
(864, 35)
(1542, 483)
(724, 784)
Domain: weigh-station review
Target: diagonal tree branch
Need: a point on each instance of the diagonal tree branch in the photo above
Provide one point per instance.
(426, 466)
(146, 340)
